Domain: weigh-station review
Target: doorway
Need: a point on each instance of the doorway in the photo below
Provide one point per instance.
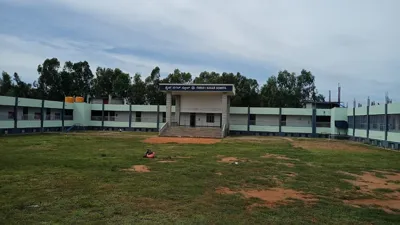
(192, 119)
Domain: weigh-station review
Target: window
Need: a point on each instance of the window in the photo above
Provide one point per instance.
(252, 119)
(350, 120)
(69, 114)
(360, 122)
(48, 114)
(37, 116)
(57, 116)
(283, 120)
(164, 117)
(96, 115)
(138, 117)
(210, 118)
(323, 121)
(377, 122)
(394, 123)
(10, 115)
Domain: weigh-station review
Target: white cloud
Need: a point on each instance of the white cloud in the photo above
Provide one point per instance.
(354, 43)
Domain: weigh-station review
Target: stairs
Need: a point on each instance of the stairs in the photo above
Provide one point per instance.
(196, 132)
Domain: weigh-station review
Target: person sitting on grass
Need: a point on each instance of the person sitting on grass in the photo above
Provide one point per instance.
(149, 154)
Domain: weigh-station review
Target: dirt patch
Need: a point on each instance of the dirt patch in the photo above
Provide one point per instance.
(138, 168)
(268, 156)
(166, 161)
(288, 164)
(258, 139)
(271, 197)
(369, 182)
(228, 159)
(330, 145)
(386, 205)
(291, 174)
(177, 140)
(219, 173)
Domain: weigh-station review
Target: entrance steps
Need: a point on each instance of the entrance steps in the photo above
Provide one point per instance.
(194, 132)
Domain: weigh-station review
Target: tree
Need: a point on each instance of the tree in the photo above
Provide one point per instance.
(137, 94)
(178, 77)
(246, 89)
(50, 80)
(153, 95)
(22, 89)
(289, 90)
(121, 84)
(6, 86)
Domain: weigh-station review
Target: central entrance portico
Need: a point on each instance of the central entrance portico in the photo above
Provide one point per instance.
(198, 105)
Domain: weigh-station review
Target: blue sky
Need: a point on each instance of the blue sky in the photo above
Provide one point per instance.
(354, 43)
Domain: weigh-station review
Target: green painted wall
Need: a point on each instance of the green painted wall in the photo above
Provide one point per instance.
(338, 114)
(52, 123)
(264, 128)
(296, 112)
(378, 135)
(264, 111)
(238, 110)
(394, 108)
(360, 133)
(6, 123)
(360, 111)
(395, 137)
(377, 110)
(302, 130)
(53, 104)
(5, 100)
(324, 112)
(238, 127)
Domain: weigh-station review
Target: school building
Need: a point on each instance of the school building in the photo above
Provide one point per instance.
(204, 110)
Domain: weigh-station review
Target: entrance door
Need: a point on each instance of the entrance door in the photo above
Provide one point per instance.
(192, 119)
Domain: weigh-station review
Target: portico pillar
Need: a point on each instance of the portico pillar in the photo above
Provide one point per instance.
(168, 110)
(224, 109)
(177, 108)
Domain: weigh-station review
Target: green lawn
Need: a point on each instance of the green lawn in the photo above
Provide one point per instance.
(77, 179)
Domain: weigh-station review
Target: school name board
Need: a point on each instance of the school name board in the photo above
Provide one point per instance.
(215, 88)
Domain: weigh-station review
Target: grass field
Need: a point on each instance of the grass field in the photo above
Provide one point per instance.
(87, 178)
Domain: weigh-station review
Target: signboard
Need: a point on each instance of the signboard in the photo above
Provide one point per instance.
(212, 88)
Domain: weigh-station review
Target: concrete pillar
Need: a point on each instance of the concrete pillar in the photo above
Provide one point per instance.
(158, 117)
(177, 109)
(224, 109)
(16, 113)
(368, 122)
(168, 111)
(229, 113)
(314, 123)
(248, 118)
(42, 117)
(130, 116)
(102, 116)
(280, 122)
(386, 122)
(62, 116)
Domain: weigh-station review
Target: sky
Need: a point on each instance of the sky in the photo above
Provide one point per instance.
(354, 43)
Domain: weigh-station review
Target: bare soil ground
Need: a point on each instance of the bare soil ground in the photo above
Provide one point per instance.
(369, 183)
(166, 140)
(271, 197)
(138, 168)
(275, 156)
(330, 145)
